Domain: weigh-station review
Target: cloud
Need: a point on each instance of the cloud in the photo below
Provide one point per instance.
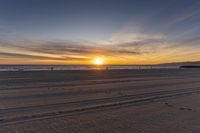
(64, 48)
(135, 37)
(186, 13)
(119, 46)
(17, 55)
(142, 43)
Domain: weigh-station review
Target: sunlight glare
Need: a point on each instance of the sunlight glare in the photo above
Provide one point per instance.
(98, 61)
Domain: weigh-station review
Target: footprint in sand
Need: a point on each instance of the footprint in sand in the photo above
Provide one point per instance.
(185, 108)
(167, 104)
(181, 108)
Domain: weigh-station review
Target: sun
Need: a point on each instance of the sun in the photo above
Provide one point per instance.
(98, 61)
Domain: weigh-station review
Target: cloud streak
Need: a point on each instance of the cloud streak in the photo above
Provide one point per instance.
(17, 55)
(65, 48)
(124, 45)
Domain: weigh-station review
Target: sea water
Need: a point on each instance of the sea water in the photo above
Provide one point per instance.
(79, 67)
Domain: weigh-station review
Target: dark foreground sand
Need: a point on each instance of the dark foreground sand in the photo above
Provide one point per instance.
(118, 101)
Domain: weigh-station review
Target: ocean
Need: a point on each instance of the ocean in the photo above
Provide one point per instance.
(79, 67)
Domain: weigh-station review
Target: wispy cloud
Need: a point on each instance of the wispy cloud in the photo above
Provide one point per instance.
(18, 55)
(123, 45)
(65, 48)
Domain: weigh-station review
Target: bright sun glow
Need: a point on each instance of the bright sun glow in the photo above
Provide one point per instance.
(98, 61)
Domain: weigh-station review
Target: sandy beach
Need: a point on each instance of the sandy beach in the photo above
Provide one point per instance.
(100, 101)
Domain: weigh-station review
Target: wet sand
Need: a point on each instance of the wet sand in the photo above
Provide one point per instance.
(104, 101)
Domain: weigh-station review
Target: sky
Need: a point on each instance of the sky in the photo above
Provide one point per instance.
(119, 31)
